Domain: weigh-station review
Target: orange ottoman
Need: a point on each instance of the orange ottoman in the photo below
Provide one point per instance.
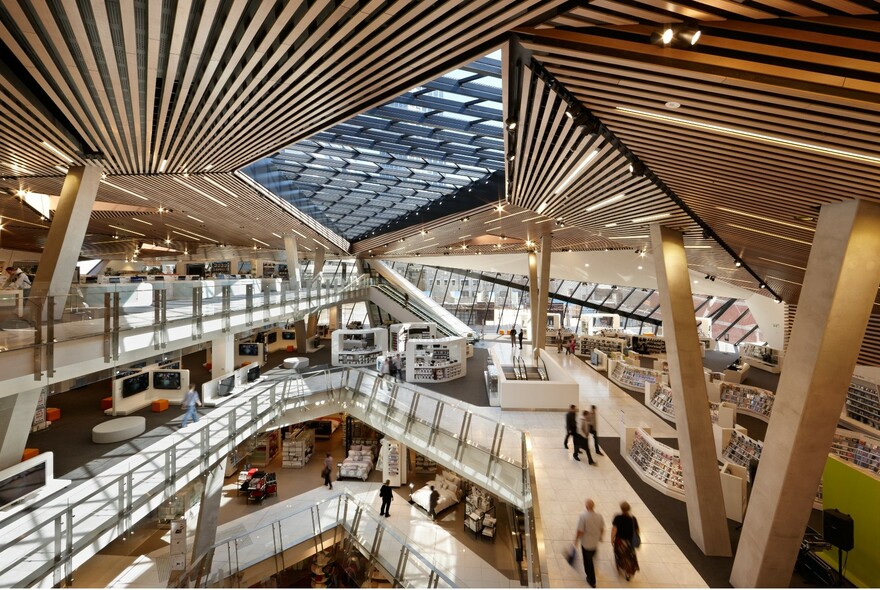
(290, 348)
(30, 454)
(53, 414)
(106, 403)
(159, 405)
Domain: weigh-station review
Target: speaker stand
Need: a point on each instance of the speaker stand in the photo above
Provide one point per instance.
(839, 567)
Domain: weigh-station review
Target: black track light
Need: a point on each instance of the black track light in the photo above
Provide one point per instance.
(636, 168)
(511, 124)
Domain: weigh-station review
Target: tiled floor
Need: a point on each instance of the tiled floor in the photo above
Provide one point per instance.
(563, 485)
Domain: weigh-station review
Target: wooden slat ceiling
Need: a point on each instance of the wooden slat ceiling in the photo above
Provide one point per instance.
(190, 86)
(152, 91)
(796, 101)
(197, 211)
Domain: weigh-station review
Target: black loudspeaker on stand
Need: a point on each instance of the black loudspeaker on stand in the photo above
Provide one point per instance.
(838, 530)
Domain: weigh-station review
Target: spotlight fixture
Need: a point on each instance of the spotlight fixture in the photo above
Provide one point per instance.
(762, 286)
(689, 35)
(706, 277)
(511, 157)
(667, 35)
(738, 263)
(778, 300)
(511, 124)
(636, 167)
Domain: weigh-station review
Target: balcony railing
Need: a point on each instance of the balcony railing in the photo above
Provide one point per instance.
(46, 544)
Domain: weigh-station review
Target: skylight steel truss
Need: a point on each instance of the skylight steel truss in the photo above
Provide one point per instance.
(398, 157)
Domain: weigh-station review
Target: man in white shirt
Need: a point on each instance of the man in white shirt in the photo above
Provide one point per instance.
(590, 527)
(17, 279)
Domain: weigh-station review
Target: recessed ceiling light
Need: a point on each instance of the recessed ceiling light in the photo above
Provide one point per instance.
(752, 135)
(611, 224)
(772, 235)
(672, 104)
(648, 218)
(606, 202)
(587, 264)
(640, 268)
(804, 218)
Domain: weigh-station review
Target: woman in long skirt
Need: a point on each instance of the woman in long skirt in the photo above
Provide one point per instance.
(623, 528)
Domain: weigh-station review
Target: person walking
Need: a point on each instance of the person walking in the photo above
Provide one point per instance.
(520, 336)
(387, 368)
(559, 342)
(582, 438)
(387, 495)
(594, 429)
(432, 503)
(398, 368)
(572, 345)
(590, 527)
(571, 424)
(328, 470)
(624, 528)
(190, 401)
(513, 337)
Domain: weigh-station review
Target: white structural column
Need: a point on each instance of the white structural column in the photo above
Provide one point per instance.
(209, 512)
(64, 242)
(317, 279)
(533, 295)
(702, 481)
(16, 418)
(293, 271)
(838, 294)
(222, 355)
(540, 329)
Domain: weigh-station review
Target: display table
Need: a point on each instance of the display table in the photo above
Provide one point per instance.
(435, 359)
(296, 362)
(737, 375)
(119, 429)
(13, 297)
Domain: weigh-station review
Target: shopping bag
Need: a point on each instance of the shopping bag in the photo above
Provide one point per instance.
(571, 555)
(637, 540)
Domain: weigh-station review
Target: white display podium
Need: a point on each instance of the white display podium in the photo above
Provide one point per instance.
(357, 348)
(400, 333)
(436, 360)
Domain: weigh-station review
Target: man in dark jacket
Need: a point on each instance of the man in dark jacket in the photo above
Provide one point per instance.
(432, 503)
(386, 495)
(571, 426)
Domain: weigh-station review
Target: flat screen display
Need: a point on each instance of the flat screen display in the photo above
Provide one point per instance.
(170, 365)
(181, 277)
(113, 279)
(248, 350)
(30, 480)
(226, 386)
(603, 322)
(271, 337)
(136, 279)
(158, 278)
(288, 335)
(166, 380)
(123, 374)
(253, 374)
(134, 385)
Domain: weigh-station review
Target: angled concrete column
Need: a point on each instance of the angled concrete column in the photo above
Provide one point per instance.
(534, 298)
(317, 280)
(293, 271)
(209, 512)
(16, 418)
(702, 482)
(222, 355)
(540, 337)
(302, 341)
(64, 242)
(835, 303)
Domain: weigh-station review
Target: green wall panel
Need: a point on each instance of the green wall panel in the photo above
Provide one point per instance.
(855, 492)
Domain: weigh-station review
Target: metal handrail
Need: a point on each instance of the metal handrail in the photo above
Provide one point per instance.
(195, 574)
(68, 529)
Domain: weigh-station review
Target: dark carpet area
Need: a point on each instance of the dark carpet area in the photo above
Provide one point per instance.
(472, 387)
(672, 516)
(718, 361)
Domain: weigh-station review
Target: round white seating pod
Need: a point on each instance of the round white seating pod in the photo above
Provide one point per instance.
(296, 362)
(119, 429)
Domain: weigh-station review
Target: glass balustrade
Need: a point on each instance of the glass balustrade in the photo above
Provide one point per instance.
(175, 311)
(72, 526)
(401, 557)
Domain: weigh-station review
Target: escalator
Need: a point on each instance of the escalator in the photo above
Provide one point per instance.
(401, 299)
